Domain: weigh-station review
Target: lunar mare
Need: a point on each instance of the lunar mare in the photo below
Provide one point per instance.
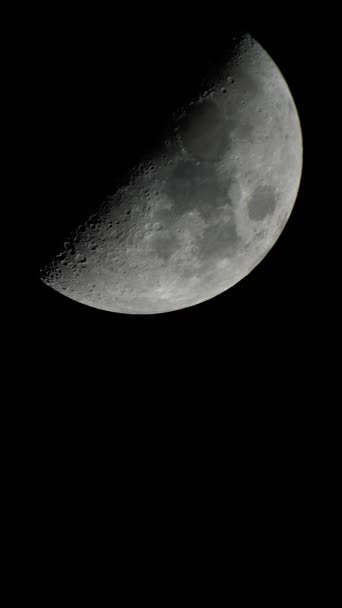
(204, 210)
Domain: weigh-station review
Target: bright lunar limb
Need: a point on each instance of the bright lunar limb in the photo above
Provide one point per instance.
(207, 206)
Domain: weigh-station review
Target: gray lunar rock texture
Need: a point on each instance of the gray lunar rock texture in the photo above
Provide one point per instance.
(204, 209)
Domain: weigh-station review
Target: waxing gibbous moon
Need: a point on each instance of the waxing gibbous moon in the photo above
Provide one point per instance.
(204, 209)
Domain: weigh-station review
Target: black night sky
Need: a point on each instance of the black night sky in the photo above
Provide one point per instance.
(124, 429)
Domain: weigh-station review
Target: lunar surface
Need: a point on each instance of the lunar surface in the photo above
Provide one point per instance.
(206, 207)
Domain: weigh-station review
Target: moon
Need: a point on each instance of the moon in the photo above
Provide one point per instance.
(202, 211)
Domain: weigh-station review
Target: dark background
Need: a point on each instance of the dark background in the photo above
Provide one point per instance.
(182, 430)
(101, 84)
